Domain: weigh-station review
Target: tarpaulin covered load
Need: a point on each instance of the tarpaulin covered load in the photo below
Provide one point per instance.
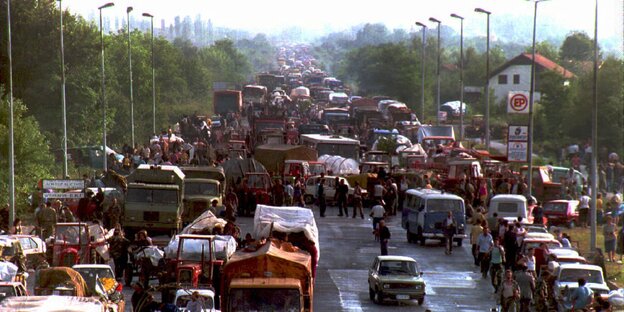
(151, 252)
(236, 168)
(285, 220)
(8, 271)
(272, 156)
(339, 165)
(225, 246)
(435, 131)
(204, 224)
(57, 276)
(52, 304)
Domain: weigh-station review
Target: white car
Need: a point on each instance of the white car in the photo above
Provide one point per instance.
(567, 280)
(311, 187)
(183, 296)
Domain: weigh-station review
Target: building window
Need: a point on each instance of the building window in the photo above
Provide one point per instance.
(502, 79)
(516, 79)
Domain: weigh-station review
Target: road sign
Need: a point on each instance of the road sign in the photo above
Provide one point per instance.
(63, 184)
(517, 151)
(63, 195)
(518, 133)
(518, 102)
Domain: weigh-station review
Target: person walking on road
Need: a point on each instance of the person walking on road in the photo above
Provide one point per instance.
(509, 293)
(384, 236)
(485, 244)
(320, 195)
(583, 209)
(526, 282)
(450, 225)
(342, 190)
(497, 260)
(357, 200)
(475, 232)
(377, 213)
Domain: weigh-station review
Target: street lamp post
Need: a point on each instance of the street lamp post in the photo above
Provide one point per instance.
(102, 87)
(461, 77)
(422, 69)
(63, 103)
(11, 145)
(531, 98)
(153, 77)
(128, 10)
(594, 145)
(437, 71)
(487, 80)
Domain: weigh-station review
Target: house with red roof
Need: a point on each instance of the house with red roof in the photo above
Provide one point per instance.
(515, 75)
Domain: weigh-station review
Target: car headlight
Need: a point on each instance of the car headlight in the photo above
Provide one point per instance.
(386, 286)
(418, 286)
(461, 225)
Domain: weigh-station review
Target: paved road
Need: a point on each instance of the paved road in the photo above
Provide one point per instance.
(348, 248)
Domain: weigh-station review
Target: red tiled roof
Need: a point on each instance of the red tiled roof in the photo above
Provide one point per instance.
(548, 64)
(540, 62)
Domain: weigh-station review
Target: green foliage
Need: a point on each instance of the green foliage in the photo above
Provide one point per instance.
(577, 46)
(33, 160)
(387, 144)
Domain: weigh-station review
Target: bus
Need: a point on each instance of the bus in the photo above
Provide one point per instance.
(424, 211)
(334, 145)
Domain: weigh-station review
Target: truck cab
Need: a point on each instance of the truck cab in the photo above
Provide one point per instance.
(202, 185)
(154, 199)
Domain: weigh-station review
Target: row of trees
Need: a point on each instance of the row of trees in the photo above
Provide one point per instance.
(377, 61)
(184, 80)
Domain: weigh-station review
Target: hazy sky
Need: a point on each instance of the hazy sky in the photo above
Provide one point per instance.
(270, 16)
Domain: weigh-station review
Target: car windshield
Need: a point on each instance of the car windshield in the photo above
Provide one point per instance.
(555, 207)
(344, 150)
(192, 249)
(536, 229)
(207, 302)
(209, 189)
(396, 267)
(444, 205)
(72, 234)
(90, 275)
(152, 196)
(508, 208)
(572, 275)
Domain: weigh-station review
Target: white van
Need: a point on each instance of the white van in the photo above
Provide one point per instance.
(510, 207)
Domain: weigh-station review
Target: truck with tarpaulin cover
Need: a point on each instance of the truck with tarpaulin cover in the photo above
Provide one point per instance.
(202, 185)
(274, 156)
(155, 199)
(227, 101)
(276, 276)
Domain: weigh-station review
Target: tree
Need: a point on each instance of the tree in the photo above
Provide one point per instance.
(33, 160)
(577, 46)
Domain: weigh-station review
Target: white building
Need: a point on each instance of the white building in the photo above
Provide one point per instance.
(515, 75)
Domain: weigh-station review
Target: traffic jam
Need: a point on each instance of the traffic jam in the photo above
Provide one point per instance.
(292, 148)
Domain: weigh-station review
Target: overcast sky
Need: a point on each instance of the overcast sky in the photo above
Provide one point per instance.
(271, 16)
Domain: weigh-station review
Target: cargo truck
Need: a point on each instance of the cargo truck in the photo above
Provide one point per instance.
(154, 200)
(227, 101)
(275, 277)
(202, 185)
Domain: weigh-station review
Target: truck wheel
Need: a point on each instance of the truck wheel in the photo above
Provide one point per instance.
(409, 237)
(308, 199)
(420, 301)
(421, 238)
(371, 293)
(460, 242)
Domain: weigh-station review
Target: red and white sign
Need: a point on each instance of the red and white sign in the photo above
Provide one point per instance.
(518, 102)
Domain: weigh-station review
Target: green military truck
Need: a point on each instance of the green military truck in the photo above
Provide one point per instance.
(202, 185)
(154, 199)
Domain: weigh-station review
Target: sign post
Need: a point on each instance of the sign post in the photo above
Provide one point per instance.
(517, 143)
(518, 102)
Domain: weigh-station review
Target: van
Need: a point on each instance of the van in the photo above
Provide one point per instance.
(510, 207)
(424, 211)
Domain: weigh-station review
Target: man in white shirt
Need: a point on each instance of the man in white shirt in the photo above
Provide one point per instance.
(377, 213)
(583, 209)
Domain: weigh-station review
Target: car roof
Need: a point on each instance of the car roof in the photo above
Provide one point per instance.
(504, 197)
(95, 266)
(395, 258)
(11, 284)
(202, 292)
(432, 193)
(579, 266)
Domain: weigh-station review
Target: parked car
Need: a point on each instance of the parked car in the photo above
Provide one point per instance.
(567, 276)
(562, 212)
(558, 256)
(510, 207)
(536, 242)
(395, 278)
(183, 296)
(102, 274)
(311, 187)
(34, 249)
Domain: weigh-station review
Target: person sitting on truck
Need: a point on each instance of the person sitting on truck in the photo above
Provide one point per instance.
(142, 240)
